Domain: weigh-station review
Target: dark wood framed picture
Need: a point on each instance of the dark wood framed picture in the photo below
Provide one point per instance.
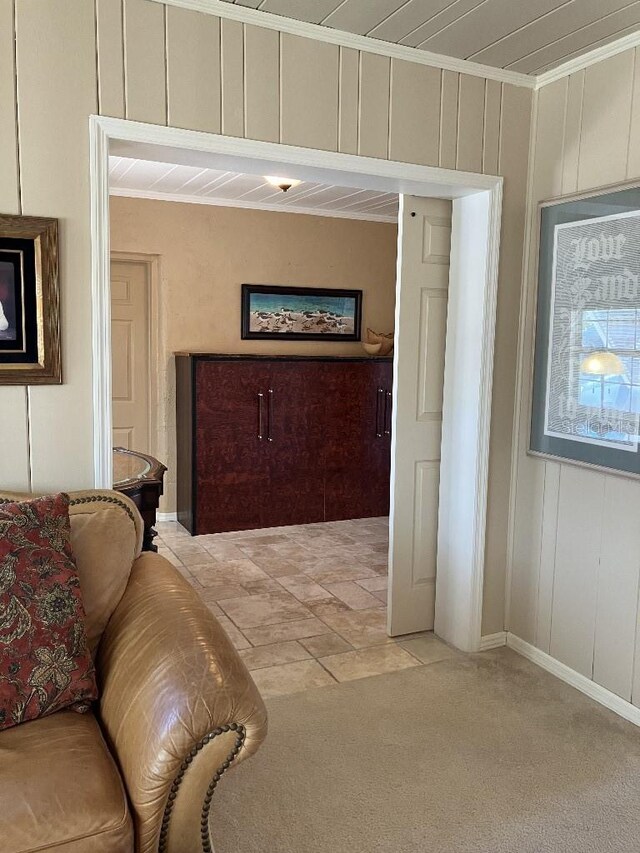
(29, 301)
(300, 313)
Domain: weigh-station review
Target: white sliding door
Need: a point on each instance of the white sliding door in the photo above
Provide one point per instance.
(424, 242)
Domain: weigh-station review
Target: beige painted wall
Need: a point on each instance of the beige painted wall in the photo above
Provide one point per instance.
(191, 70)
(576, 546)
(206, 253)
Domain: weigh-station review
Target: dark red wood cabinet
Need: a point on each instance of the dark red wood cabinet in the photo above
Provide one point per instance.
(272, 441)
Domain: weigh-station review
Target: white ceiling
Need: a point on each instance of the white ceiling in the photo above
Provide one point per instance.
(192, 184)
(529, 36)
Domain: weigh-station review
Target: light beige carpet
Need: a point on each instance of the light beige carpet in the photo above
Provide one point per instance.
(487, 754)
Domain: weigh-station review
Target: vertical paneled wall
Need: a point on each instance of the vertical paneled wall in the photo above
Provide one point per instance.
(576, 555)
(48, 90)
(14, 406)
(515, 124)
(153, 63)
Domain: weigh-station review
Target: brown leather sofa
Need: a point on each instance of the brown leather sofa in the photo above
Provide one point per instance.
(177, 708)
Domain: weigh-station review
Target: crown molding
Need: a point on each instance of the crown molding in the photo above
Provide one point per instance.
(267, 20)
(598, 54)
(230, 202)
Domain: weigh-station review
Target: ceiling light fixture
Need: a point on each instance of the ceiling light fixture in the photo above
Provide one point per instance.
(282, 183)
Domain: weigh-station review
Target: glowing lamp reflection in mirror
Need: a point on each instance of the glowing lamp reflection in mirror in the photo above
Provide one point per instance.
(602, 364)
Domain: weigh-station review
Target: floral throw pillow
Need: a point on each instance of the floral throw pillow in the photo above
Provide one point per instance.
(45, 664)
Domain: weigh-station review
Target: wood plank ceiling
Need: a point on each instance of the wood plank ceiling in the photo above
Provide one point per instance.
(529, 36)
(191, 184)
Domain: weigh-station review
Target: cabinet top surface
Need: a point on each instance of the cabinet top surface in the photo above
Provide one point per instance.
(211, 356)
(130, 466)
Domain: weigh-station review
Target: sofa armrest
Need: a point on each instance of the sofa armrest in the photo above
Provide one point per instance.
(176, 703)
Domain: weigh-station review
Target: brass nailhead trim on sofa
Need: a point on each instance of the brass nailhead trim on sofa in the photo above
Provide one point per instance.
(107, 499)
(206, 805)
(91, 499)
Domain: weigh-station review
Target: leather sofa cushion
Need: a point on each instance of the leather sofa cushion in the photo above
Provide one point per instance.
(104, 542)
(60, 789)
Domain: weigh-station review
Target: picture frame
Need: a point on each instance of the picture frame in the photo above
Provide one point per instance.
(585, 401)
(29, 301)
(276, 312)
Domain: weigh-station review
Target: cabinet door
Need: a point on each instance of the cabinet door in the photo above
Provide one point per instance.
(295, 402)
(356, 448)
(232, 468)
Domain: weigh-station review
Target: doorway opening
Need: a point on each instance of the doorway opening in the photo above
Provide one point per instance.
(469, 341)
(278, 447)
(215, 232)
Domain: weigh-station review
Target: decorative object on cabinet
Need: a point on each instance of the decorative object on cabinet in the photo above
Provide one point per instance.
(29, 301)
(586, 383)
(141, 478)
(372, 349)
(270, 441)
(302, 313)
(385, 341)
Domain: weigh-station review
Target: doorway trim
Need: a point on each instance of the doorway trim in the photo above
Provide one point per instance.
(475, 241)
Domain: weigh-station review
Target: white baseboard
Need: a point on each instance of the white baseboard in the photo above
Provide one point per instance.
(575, 679)
(166, 516)
(493, 641)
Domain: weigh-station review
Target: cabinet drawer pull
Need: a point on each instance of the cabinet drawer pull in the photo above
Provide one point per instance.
(378, 412)
(387, 413)
(260, 426)
(270, 415)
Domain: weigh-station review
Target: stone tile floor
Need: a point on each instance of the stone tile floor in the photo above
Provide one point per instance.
(304, 605)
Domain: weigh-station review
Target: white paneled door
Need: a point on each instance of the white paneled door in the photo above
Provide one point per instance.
(130, 354)
(421, 313)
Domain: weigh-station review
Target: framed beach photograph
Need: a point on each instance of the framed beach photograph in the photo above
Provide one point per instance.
(586, 384)
(300, 313)
(29, 302)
